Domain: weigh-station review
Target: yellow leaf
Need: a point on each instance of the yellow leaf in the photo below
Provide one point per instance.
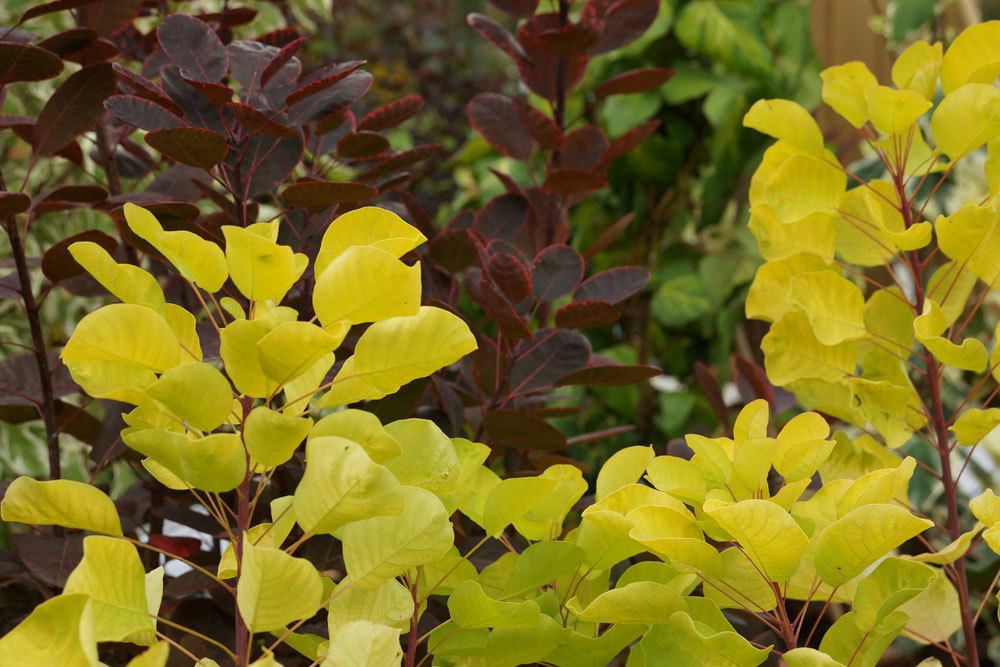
(429, 459)
(917, 68)
(112, 575)
(768, 296)
(184, 326)
(540, 514)
(342, 484)
(215, 462)
(986, 508)
(200, 261)
(894, 410)
(361, 427)
(894, 582)
(129, 283)
(740, 574)
(641, 602)
(260, 268)
(974, 56)
(844, 88)
(470, 607)
(390, 604)
(950, 286)
(768, 534)
(804, 185)
(366, 284)
(272, 437)
(118, 348)
(292, 348)
(969, 236)
(788, 121)
(934, 613)
(678, 477)
(792, 352)
(894, 111)
(59, 631)
(861, 237)
(834, 305)
(813, 235)
(878, 486)
(299, 391)
(850, 544)
(267, 578)
(60, 502)
(966, 119)
(625, 466)
(203, 409)
(809, 657)
(393, 352)
(929, 327)
(367, 226)
(268, 534)
(384, 547)
(241, 356)
(674, 537)
(363, 644)
(889, 320)
(954, 550)
(155, 656)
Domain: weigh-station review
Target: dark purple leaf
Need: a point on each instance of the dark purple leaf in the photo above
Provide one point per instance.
(146, 89)
(254, 121)
(278, 61)
(570, 40)
(216, 93)
(519, 8)
(497, 35)
(22, 62)
(454, 250)
(634, 81)
(573, 181)
(523, 431)
(12, 203)
(542, 128)
(542, 69)
(190, 145)
(269, 160)
(392, 114)
(183, 547)
(317, 195)
(622, 23)
(631, 139)
(48, 558)
(54, 6)
(613, 285)
(362, 145)
(400, 161)
(68, 197)
(109, 16)
(80, 45)
(548, 356)
(510, 275)
(346, 91)
(141, 113)
(197, 109)
(583, 314)
(609, 376)
(502, 312)
(583, 148)
(556, 271)
(19, 383)
(709, 384)
(58, 264)
(193, 46)
(75, 107)
(247, 62)
(496, 118)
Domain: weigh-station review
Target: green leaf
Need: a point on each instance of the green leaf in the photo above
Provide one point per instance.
(681, 298)
(470, 607)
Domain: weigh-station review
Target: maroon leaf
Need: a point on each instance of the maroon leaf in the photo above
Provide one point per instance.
(347, 91)
(146, 89)
(510, 275)
(573, 181)
(58, 264)
(548, 356)
(67, 197)
(75, 107)
(497, 35)
(523, 431)
(12, 203)
(317, 195)
(190, 145)
(609, 236)
(19, 384)
(391, 114)
(501, 312)
(109, 16)
(254, 121)
(141, 113)
(756, 377)
(634, 81)
(23, 62)
(400, 161)
(570, 40)
(216, 93)
(504, 217)
(80, 45)
(454, 250)
(613, 285)
(280, 37)
(496, 118)
(54, 6)
(608, 376)
(542, 70)
(337, 74)
(583, 314)
(182, 547)
(269, 161)
(541, 128)
(713, 393)
(286, 53)
(519, 8)
(631, 139)
(623, 22)
(192, 45)
(362, 145)
(583, 148)
(556, 271)
(48, 558)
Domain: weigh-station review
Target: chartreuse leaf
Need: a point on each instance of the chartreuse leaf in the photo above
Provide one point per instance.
(844, 88)
(894, 582)
(129, 283)
(260, 268)
(393, 352)
(768, 296)
(973, 425)
(467, 490)
(155, 656)
(934, 613)
(950, 286)
(342, 484)
(682, 641)
(60, 502)
(788, 121)
(641, 602)
(802, 446)
(216, 462)
(833, 304)
(118, 348)
(366, 284)
(894, 111)
(241, 356)
(974, 56)
(200, 261)
(894, 410)
(184, 326)
(583, 651)
(390, 604)
(860, 239)
(741, 574)
(268, 534)
(985, 507)
(752, 421)
(367, 226)
(272, 437)
(969, 237)
(541, 563)
(954, 550)
(809, 657)
(815, 234)
(675, 538)
(507, 647)
(290, 349)
(769, 535)
(804, 185)
(625, 466)
(792, 352)
(361, 427)
(59, 631)
(850, 544)
(204, 409)
(678, 477)
(470, 607)
(878, 486)
(965, 119)
(929, 327)
(917, 68)
(112, 575)
(363, 644)
(539, 513)
(429, 458)
(383, 547)
(847, 642)
(267, 577)
(299, 391)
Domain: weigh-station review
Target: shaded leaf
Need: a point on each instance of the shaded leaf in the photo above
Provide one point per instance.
(362, 145)
(582, 314)
(317, 195)
(510, 275)
(12, 203)
(568, 181)
(613, 285)
(609, 376)
(502, 312)
(392, 114)
(624, 22)
(192, 45)
(193, 146)
(634, 81)
(496, 118)
(57, 262)
(496, 34)
(523, 431)
(519, 8)
(23, 62)
(556, 271)
(141, 113)
(75, 107)
(548, 356)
